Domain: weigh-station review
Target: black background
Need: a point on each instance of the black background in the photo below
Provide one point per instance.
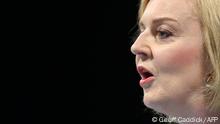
(76, 65)
(117, 96)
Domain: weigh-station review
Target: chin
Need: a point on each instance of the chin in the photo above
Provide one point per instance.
(158, 108)
(158, 103)
(153, 102)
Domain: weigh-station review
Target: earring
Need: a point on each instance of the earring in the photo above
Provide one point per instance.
(209, 79)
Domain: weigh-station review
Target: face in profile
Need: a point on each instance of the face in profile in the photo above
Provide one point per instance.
(169, 57)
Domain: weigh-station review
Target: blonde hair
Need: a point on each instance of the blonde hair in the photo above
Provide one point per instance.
(209, 13)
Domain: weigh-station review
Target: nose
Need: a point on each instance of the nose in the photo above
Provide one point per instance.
(141, 48)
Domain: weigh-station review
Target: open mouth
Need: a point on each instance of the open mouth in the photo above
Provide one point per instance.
(146, 77)
(144, 73)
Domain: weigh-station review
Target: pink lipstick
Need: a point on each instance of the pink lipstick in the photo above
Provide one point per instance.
(146, 76)
(146, 82)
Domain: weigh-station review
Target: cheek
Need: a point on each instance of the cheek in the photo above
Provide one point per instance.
(177, 57)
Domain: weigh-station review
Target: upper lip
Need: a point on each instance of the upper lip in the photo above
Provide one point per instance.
(144, 72)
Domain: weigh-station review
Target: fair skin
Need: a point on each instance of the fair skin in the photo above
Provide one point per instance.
(170, 45)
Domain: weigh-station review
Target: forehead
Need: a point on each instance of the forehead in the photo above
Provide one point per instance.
(176, 9)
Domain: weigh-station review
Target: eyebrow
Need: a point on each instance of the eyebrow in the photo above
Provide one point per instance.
(157, 20)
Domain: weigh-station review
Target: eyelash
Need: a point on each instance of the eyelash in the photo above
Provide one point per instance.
(163, 34)
(158, 34)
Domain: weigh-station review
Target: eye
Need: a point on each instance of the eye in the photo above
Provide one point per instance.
(162, 34)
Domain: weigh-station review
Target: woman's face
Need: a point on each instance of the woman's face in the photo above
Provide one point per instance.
(170, 46)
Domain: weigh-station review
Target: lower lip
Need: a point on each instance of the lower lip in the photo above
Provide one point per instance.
(146, 81)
